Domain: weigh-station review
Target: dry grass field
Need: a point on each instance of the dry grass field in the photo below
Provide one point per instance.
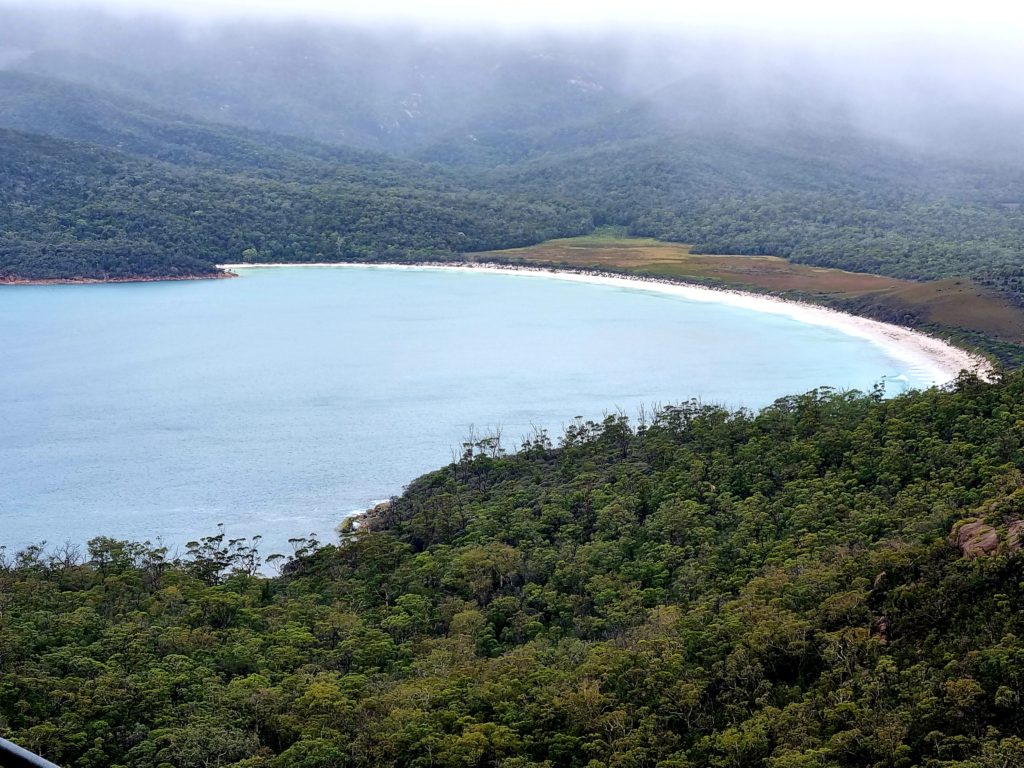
(955, 304)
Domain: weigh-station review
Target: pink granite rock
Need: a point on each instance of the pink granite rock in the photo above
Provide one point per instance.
(976, 539)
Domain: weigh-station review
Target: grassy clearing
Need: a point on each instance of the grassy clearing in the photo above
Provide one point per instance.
(953, 306)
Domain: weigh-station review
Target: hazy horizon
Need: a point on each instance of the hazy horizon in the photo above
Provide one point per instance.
(786, 20)
(945, 78)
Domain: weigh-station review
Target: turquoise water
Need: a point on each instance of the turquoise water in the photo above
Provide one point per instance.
(279, 402)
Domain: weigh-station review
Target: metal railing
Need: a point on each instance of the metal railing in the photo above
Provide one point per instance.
(13, 756)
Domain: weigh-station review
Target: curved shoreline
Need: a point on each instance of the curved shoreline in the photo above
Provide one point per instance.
(942, 359)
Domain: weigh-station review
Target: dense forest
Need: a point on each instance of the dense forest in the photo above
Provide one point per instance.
(834, 581)
(74, 210)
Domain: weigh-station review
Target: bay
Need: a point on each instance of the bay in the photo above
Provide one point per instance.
(279, 402)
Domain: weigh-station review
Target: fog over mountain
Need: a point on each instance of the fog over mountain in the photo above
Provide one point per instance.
(158, 139)
(389, 78)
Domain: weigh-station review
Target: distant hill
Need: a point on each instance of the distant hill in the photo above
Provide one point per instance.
(69, 209)
(64, 109)
(301, 142)
(394, 91)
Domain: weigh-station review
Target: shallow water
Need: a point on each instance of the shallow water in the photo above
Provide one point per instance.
(279, 402)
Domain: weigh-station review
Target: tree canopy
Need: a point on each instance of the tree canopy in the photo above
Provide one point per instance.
(703, 587)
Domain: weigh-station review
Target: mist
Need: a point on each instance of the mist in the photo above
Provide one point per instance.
(789, 19)
(395, 78)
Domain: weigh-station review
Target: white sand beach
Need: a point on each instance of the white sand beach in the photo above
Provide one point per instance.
(941, 360)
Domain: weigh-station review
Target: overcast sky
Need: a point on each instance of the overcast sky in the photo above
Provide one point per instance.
(975, 49)
(980, 20)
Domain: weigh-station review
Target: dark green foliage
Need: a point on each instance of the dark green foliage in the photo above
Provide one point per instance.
(852, 204)
(706, 588)
(538, 144)
(74, 210)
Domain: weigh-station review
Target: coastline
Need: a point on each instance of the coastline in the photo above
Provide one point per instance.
(943, 360)
(101, 280)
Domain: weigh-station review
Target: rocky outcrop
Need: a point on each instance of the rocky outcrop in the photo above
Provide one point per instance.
(376, 517)
(976, 538)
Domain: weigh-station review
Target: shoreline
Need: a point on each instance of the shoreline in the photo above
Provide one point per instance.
(102, 280)
(942, 359)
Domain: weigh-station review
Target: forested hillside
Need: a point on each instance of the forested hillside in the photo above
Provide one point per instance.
(69, 209)
(795, 588)
(301, 142)
(865, 207)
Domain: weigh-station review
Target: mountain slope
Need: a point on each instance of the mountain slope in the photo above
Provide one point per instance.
(506, 140)
(386, 90)
(839, 202)
(74, 210)
(66, 110)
